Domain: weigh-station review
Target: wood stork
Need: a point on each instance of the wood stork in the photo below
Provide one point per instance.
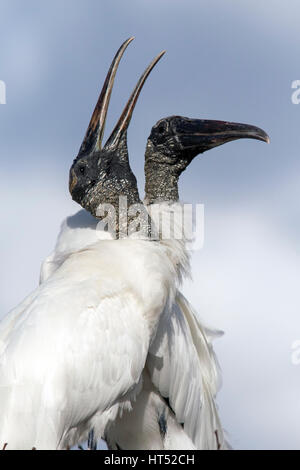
(181, 369)
(181, 343)
(180, 379)
(171, 367)
(74, 353)
(181, 365)
(76, 347)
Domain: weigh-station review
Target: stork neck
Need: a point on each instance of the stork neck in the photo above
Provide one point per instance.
(161, 179)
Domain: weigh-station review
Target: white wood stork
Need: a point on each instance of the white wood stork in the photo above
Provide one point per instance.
(76, 347)
(181, 376)
(181, 365)
(107, 324)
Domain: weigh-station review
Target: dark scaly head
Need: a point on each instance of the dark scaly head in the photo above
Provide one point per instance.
(99, 175)
(175, 141)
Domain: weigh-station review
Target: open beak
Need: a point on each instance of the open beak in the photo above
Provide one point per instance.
(198, 135)
(93, 138)
(124, 121)
(94, 134)
(112, 158)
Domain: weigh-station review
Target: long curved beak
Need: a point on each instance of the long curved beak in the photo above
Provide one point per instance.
(104, 173)
(125, 118)
(94, 134)
(199, 135)
(92, 142)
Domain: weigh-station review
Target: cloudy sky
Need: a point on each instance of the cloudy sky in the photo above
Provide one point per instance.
(225, 60)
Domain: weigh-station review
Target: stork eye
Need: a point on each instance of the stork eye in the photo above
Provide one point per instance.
(82, 170)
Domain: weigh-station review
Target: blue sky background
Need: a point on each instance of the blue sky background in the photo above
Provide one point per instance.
(225, 60)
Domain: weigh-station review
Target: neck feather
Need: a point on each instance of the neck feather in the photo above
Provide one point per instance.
(161, 178)
(168, 220)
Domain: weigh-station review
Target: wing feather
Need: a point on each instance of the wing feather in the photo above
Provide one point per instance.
(183, 367)
(73, 348)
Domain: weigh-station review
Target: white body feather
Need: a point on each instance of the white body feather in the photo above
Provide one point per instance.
(181, 366)
(82, 350)
(78, 345)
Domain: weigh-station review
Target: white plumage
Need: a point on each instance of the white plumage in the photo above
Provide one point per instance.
(107, 342)
(181, 364)
(78, 345)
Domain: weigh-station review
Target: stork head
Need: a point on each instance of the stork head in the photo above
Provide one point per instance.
(175, 141)
(99, 174)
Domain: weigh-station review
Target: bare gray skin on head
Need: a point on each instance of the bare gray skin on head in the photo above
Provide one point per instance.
(175, 141)
(102, 177)
(99, 176)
